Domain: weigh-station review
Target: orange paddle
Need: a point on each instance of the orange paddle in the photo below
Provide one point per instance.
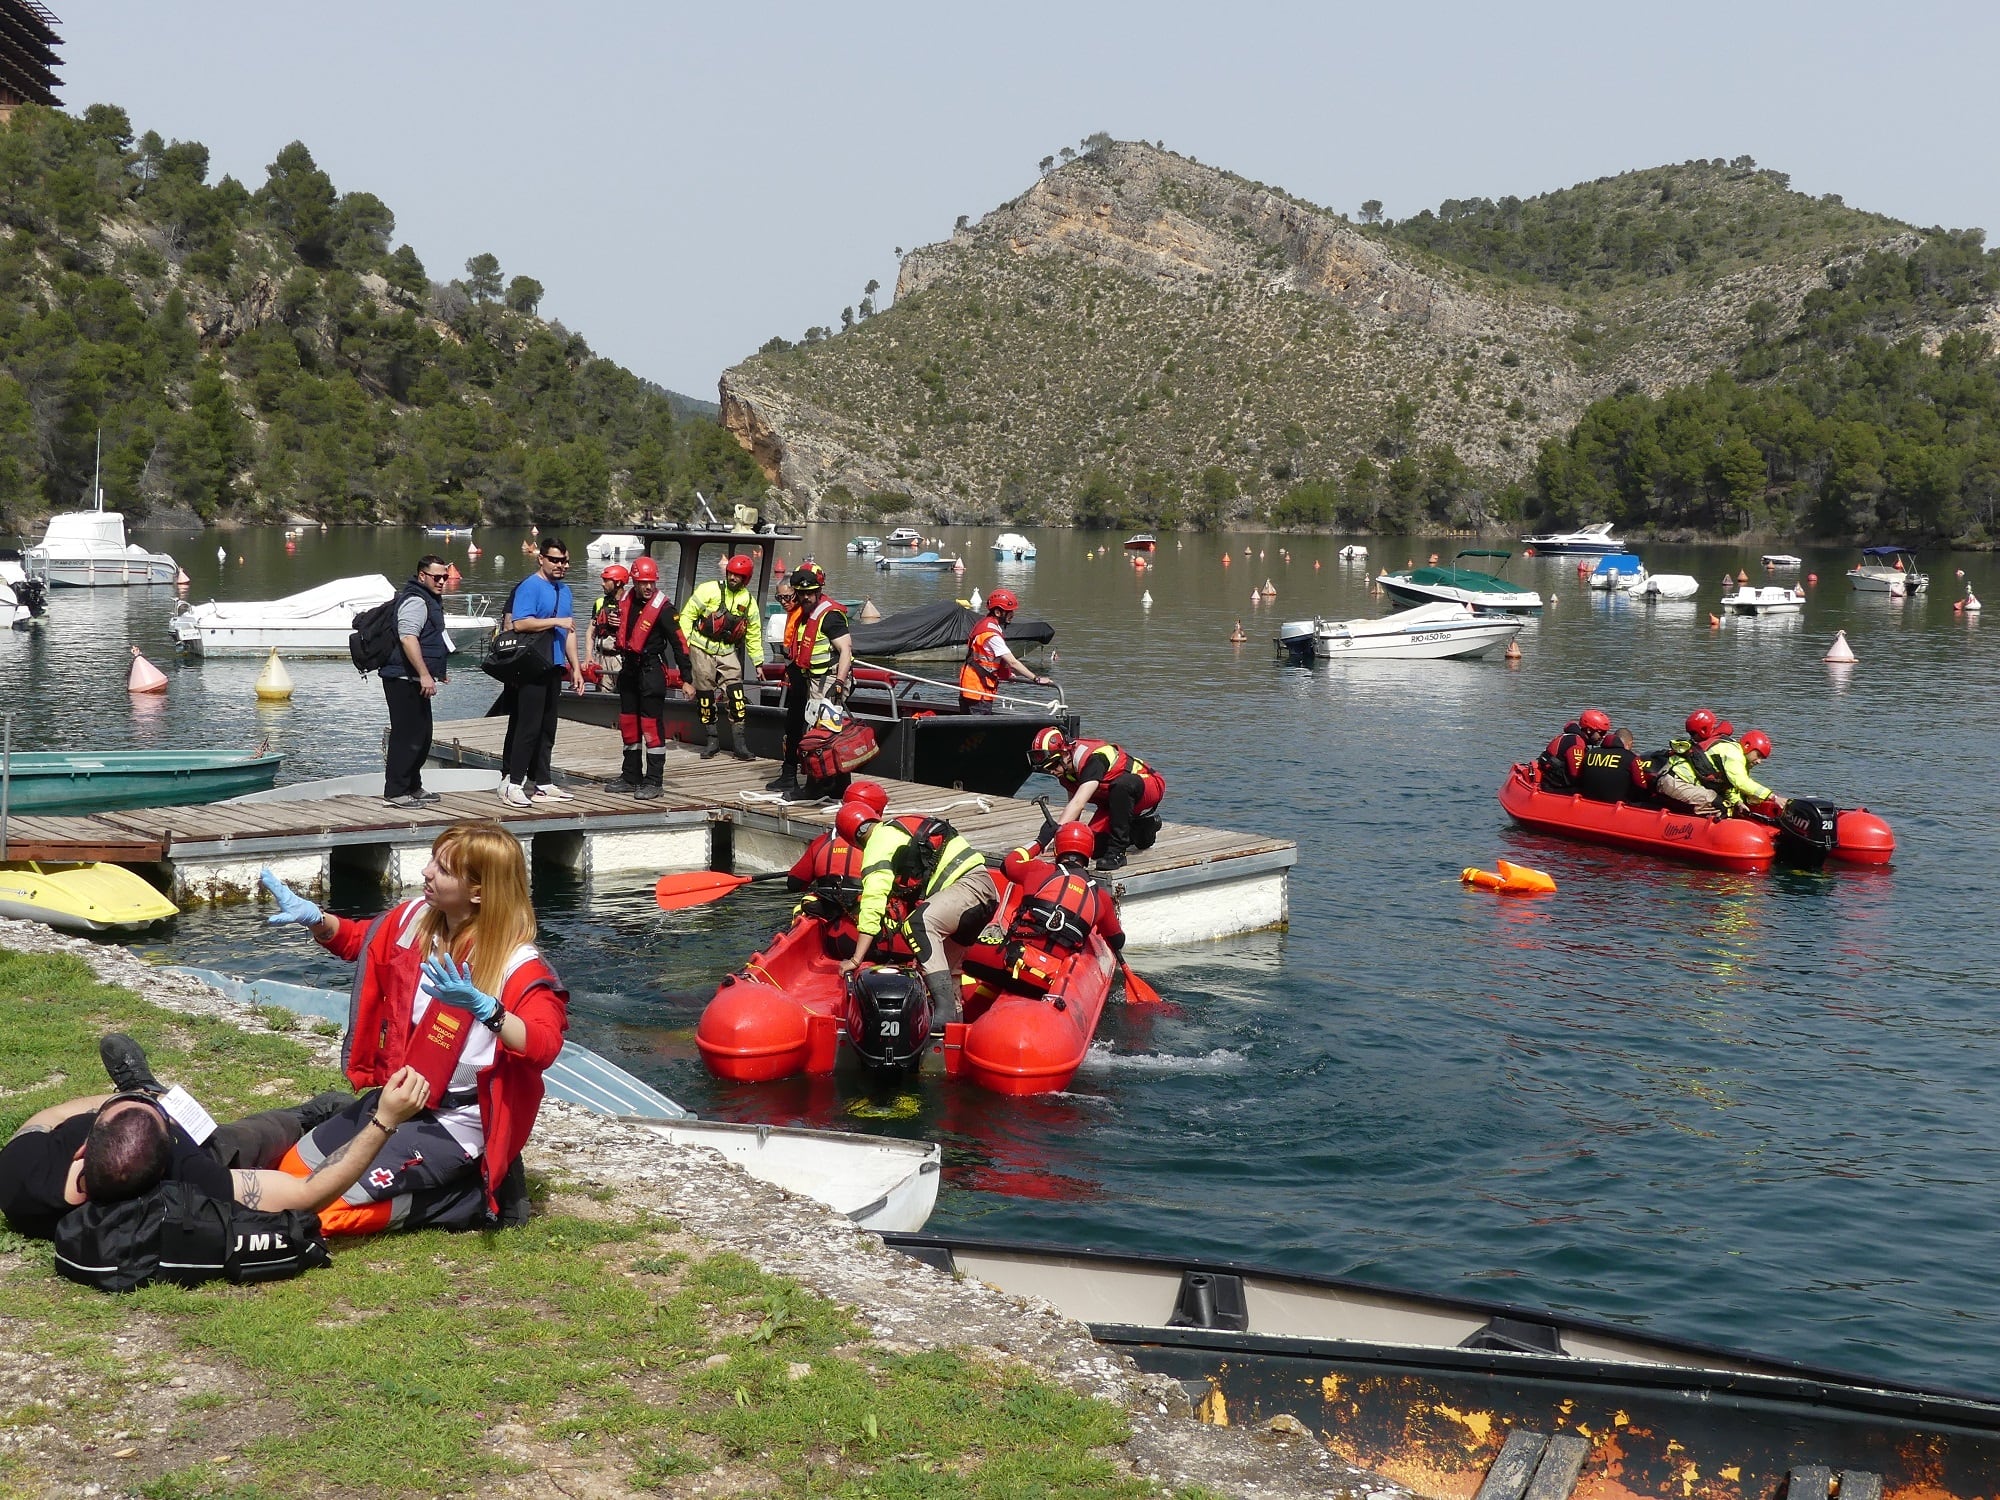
(1136, 989)
(695, 888)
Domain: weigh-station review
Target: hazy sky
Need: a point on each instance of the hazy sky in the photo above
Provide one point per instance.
(687, 180)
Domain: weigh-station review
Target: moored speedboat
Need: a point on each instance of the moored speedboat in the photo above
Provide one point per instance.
(1434, 1389)
(1669, 586)
(87, 549)
(1589, 541)
(1780, 560)
(1426, 632)
(1483, 592)
(448, 532)
(1353, 552)
(860, 544)
(903, 536)
(1619, 570)
(1011, 546)
(1145, 541)
(923, 562)
(314, 623)
(1768, 599)
(1887, 570)
(611, 547)
(1858, 836)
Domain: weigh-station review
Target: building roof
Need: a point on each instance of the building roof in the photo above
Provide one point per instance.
(29, 53)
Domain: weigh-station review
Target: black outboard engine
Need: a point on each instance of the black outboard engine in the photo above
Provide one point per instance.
(889, 1018)
(33, 593)
(1807, 831)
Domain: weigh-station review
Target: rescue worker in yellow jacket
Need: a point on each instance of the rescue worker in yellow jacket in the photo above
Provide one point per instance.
(724, 631)
(925, 868)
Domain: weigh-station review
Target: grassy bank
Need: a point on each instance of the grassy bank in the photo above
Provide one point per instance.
(602, 1350)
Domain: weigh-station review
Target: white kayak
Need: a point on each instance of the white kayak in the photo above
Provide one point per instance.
(1428, 632)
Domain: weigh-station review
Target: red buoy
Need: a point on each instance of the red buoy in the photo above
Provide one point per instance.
(753, 1032)
(1861, 838)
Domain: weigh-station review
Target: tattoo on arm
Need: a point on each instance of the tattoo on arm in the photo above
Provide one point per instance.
(249, 1191)
(333, 1158)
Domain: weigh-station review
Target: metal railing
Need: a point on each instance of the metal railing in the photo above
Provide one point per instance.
(6, 775)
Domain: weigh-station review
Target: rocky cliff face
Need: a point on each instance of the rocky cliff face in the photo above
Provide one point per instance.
(1142, 314)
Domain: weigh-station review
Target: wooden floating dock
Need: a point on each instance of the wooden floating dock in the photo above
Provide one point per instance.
(1194, 884)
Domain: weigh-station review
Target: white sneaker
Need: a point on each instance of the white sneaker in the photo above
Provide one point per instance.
(548, 791)
(514, 796)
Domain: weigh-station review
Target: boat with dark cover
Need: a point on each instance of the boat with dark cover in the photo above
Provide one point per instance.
(1452, 1395)
(938, 632)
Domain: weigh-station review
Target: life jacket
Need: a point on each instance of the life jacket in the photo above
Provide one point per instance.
(719, 615)
(430, 636)
(834, 866)
(1080, 754)
(1060, 912)
(980, 676)
(1701, 767)
(805, 648)
(916, 861)
(636, 625)
(1562, 763)
(1608, 774)
(604, 619)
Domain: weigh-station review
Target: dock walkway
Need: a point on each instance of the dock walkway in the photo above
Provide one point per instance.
(1193, 884)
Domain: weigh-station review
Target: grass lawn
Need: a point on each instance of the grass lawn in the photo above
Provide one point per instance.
(600, 1344)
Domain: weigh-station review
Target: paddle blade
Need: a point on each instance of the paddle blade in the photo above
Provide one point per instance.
(695, 888)
(1137, 991)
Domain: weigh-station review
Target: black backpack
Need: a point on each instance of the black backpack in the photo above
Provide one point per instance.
(373, 644)
(180, 1234)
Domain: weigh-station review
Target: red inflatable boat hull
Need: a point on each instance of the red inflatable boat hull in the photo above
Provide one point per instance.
(1727, 843)
(781, 1014)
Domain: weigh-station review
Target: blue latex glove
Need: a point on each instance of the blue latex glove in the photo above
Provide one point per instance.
(292, 907)
(453, 985)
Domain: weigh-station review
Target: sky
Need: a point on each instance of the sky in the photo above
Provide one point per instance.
(688, 180)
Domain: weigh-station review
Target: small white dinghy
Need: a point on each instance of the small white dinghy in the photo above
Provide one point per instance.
(1668, 586)
(314, 623)
(613, 546)
(1429, 632)
(1780, 560)
(1769, 599)
(1353, 552)
(880, 1182)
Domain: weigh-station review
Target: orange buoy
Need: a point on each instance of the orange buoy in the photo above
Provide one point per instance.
(1812, 578)
(452, 577)
(291, 546)
(1741, 576)
(1315, 565)
(1513, 651)
(1509, 879)
(1237, 636)
(1714, 623)
(144, 677)
(1225, 559)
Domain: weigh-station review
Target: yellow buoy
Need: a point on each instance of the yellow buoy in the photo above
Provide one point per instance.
(274, 683)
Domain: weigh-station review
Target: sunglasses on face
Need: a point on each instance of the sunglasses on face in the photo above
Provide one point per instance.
(556, 562)
(438, 577)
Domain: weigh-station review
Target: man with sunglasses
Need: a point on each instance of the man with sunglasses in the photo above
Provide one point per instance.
(541, 602)
(109, 1147)
(411, 678)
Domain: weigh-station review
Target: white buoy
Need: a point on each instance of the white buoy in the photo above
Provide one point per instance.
(977, 602)
(1971, 601)
(1147, 598)
(274, 683)
(222, 554)
(1840, 651)
(144, 676)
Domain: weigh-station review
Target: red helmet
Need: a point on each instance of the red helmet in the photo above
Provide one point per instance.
(645, 570)
(1045, 751)
(870, 794)
(1595, 720)
(1002, 599)
(1075, 838)
(1701, 723)
(739, 567)
(808, 578)
(1758, 743)
(852, 821)
(616, 575)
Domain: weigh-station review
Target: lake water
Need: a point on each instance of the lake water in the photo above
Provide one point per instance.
(1759, 1109)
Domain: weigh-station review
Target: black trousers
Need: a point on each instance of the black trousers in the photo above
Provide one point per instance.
(257, 1143)
(409, 736)
(531, 731)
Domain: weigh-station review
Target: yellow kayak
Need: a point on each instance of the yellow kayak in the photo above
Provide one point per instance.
(80, 897)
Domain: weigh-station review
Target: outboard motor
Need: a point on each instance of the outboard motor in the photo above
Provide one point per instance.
(33, 593)
(1807, 831)
(1295, 641)
(889, 1018)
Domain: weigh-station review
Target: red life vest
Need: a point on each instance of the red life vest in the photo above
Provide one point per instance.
(1060, 911)
(831, 858)
(1079, 755)
(979, 678)
(635, 626)
(604, 620)
(802, 633)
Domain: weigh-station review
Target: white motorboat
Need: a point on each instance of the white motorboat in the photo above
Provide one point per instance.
(1619, 570)
(1486, 593)
(864, 544)
(1887, 570)
(904, 536)
(1429, 632)
(1767, 599)
(86, 549)
(314, 623)
(1011, 546)
(1781, 560)
(613, 546)
(1353, 552)
(880, 1182)
(1591, 541)
(1669, 586)
(443, 531)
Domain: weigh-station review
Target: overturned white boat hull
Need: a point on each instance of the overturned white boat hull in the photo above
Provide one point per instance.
(314, 623)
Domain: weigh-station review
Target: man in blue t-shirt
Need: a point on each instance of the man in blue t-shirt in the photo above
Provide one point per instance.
(541, 602)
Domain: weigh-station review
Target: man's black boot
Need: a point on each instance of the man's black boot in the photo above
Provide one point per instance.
(125, 1064)
(786, 781)
(737, 738)
(649, 789)
(629, 777)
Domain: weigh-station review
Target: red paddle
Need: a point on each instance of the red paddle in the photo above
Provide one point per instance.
(1136, 989)
(695, 888)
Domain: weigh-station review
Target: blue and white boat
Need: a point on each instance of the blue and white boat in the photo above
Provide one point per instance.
(922, 562)
(1621, 570)
(1429, 632)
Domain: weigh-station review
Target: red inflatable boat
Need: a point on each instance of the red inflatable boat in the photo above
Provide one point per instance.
(782, 1013)
(1731, 843)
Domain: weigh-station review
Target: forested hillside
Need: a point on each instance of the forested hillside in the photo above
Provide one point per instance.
(257, 352)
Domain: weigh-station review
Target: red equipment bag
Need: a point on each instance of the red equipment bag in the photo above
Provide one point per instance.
(826, 753)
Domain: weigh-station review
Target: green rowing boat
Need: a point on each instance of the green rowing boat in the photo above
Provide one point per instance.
(47, 782)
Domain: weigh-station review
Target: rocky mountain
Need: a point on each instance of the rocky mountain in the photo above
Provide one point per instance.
(1139, 326)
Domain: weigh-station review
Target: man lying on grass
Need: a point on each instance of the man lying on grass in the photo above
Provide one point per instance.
(110, 1147)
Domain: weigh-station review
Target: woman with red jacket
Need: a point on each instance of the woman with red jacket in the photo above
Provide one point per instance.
(451, 982)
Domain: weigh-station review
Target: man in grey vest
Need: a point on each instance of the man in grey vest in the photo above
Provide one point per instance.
(411, 678)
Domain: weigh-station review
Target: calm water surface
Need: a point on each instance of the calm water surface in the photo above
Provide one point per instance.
(1753, 1109)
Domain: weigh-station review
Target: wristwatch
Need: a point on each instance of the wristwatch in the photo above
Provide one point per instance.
(494, 1022)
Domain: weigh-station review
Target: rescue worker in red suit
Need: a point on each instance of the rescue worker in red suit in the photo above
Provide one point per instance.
(829, 875)
(1562, 761)
(646, 634)
(1125, 791)
(1061, 905)
(988, 662)
(466, 945)
(819, 661)
(600, 642)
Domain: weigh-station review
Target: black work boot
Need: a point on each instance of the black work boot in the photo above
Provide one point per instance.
(737, 738)
(125, 1064)
(944, 999)
(628, 778)
(649, 789)
(1112, 856)
(786, 781)
(714, 746)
